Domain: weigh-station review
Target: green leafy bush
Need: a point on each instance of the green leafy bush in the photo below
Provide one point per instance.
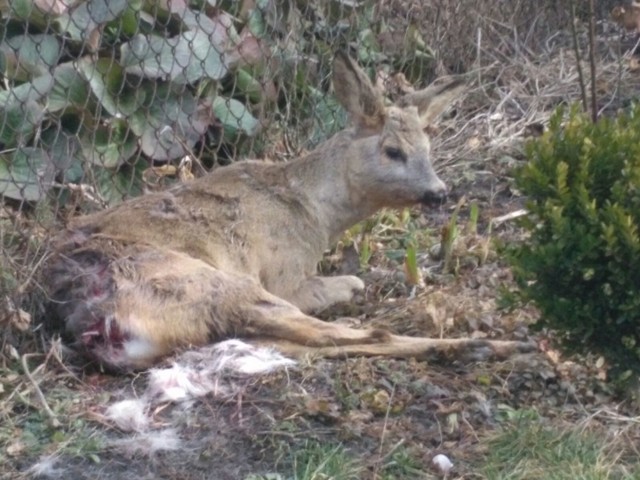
(581, 263)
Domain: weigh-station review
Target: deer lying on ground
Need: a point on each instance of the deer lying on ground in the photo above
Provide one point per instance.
(233, 254)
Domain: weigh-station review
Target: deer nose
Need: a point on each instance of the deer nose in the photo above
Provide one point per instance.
(435, 196)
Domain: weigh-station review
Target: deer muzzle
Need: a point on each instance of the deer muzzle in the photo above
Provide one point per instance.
(436, 195)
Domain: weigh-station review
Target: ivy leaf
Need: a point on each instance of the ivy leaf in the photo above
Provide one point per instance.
(109, 85)
(109, 145)
(19, 122)
(115, 186)
(175, 119)
(30, 55)
(88, 16)
(25, 174)
(183, 59)
(62, 145)
(70, 88)
(235, 118)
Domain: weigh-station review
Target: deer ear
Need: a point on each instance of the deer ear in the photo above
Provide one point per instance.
(356, 93)
(434, 99)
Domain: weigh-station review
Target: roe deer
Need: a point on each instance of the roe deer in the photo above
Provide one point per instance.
(234, 253)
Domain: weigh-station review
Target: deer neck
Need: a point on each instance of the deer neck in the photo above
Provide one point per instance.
(331, 180)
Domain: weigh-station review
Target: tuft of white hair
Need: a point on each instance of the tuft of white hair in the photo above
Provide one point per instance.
(196, 373)
(45, 467)
(148, 443)
(236, 357)
(193, 374)
(129, 415)
(178, 383)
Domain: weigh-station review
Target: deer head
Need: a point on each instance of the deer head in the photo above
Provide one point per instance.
(390, 163)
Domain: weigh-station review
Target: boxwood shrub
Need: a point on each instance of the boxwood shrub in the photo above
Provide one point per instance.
(581, 262)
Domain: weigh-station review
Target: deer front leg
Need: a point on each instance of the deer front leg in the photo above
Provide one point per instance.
(318, 293)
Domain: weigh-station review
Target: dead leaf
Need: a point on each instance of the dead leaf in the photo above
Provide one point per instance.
(355, 417)
(474, 142)
(153, 176)
(11, 352)
(16, 448)
(56, 7)
(455, 407)
(355, 423)
(185, 169)
(249, 51)
(436, 315)
(94, 39)
(321, 407)
(378, 401)
(553, 355)
(477, 334)
(15, 317)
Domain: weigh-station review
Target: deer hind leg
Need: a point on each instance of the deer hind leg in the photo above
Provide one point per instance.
(129, 309)
(205, 304)
(271, 320)
(215, 304)
(396, 346)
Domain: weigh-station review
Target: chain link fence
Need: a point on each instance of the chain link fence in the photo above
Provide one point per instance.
(102, 100)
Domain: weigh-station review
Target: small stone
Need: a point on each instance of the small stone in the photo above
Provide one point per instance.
(442, 463)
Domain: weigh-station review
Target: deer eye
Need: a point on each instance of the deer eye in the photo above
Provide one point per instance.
(395, 154)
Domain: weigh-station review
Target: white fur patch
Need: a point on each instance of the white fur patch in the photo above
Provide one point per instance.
(129, 415)
(148, 443)
(178, 384)
(235, 356)
(195, 373)
(139, 349)
(46, 467)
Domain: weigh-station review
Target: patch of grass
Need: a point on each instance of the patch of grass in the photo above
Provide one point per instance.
(28, 433)
(318, 461)
(31, 437)
(531, 449)
(322, 461)
(394, 231)
(9, 240)
(402, 464)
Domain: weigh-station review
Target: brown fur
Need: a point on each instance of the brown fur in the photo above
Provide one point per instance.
(234, 253)
(627, 17)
